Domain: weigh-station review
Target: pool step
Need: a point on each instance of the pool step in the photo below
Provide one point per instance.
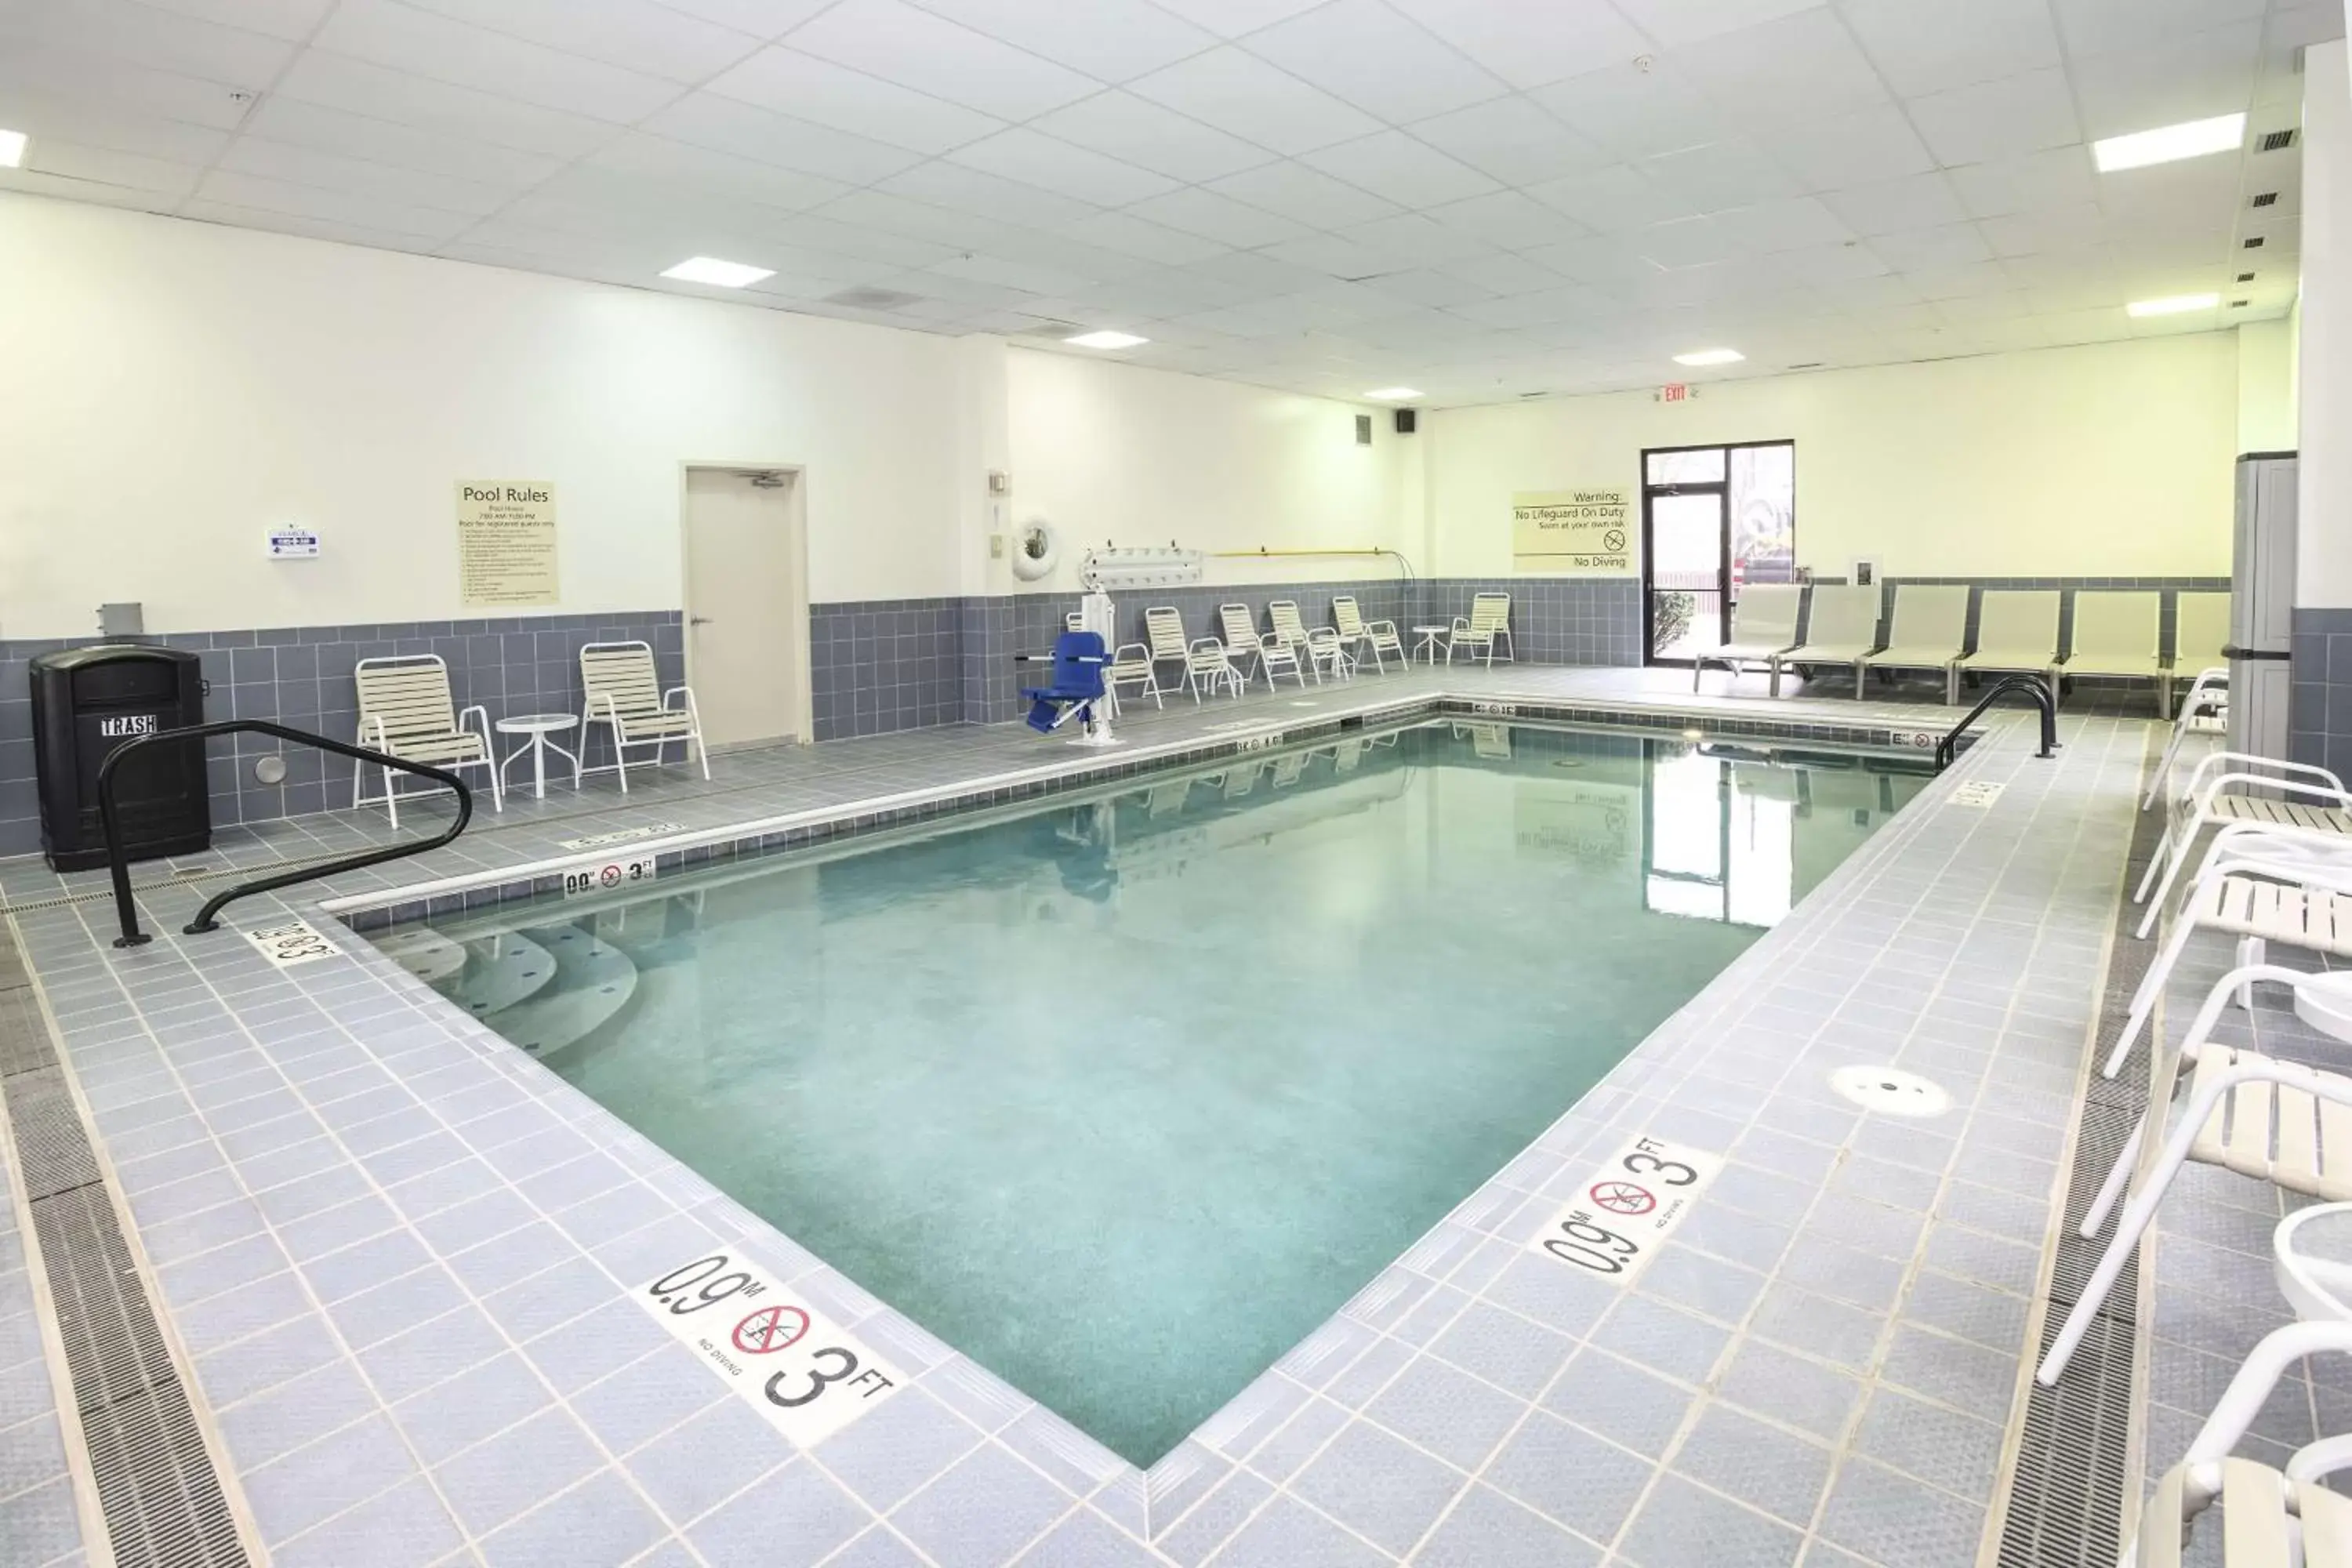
(426, 954)
(502, 971)
(592, 981)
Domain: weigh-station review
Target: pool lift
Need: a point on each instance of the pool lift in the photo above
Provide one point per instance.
(1074, 689)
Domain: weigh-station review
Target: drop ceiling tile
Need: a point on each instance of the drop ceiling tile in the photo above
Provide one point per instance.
(769, 19)
(1827, 264)
(103, 167)
(805, 88)
(1674, 23)
(336, 82)
(1054, 165)
(2048, 229)
(2104, 27)
(1917, 201)
(1613, 199)
(637, 35)
(945, 185)
(1336, 258)
(308, 227)
(1409, 173)
(1635, 113)
(1257, 275)
(1512, 140)
(2060, 177)
(1110, 40)
(1750, 74)
(1602, 260)
(1505, 274)
(1686, 242)
(1862, 148)
(1958, 299)
(110, 127)
(894, 41)
(2190, 75)
(1254, 100)
(1418, 241)
(1364, 53)
(1529, 45)
(1232, 18)
(333, 206)
(1025, 276)
(1732, 172)
(1221, 219)
(1509, 219)
(328, 171)
(294, 20)
(1787, 225)
(399, 37)
(137, 35)
(893, 215)
(1133, 235)
(659, 161)
(1996, 119)
(730, 125)
(1125, 127)
(101, 81)
(1922, 49)
(1927, 250)
(1307, 195)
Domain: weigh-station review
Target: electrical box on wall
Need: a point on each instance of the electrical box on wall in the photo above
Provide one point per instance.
(122, 620)
(1865, 574)
(999, 482)
(1407, 421)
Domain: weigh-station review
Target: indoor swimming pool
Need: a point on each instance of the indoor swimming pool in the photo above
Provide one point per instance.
(1122, 1095)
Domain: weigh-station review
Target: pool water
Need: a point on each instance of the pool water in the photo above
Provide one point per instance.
(1123, 1097)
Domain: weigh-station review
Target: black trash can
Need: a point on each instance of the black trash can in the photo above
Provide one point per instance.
(86, 702)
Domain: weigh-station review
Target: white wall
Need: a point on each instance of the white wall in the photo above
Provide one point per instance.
(2266, 389)
(2324, 499)
(170, 390)
(1113, 452)
(2109, 460)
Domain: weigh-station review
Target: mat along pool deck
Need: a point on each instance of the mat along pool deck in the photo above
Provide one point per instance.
(405, 1271)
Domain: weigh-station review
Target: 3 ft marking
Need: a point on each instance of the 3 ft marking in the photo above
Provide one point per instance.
(294, 942)
(612, 874)
(1623, 1212)
(1259, 742)
(805, 1375)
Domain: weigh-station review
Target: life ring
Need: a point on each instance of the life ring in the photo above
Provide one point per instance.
(1036, 550)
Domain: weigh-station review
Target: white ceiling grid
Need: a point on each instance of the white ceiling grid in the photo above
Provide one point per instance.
(1483, 198)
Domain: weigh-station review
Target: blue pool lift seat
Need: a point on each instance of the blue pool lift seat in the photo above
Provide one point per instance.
(1077, 682)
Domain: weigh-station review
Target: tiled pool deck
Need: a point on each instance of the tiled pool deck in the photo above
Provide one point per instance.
(399, 1253)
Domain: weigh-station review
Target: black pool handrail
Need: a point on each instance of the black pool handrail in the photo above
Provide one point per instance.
(2043, 698)
(119, 865)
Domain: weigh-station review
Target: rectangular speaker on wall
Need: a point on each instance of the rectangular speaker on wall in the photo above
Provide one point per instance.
(1363, 429)
(1406, 418)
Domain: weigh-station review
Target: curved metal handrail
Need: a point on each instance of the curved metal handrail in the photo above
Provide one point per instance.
(2042, 699)
(120, 865)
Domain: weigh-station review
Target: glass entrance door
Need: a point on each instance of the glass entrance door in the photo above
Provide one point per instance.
(1714, 519)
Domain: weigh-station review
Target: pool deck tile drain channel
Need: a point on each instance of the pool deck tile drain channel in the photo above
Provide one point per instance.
(401, 1252)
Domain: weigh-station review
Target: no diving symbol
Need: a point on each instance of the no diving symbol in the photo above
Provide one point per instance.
(1623, 1197)
(769, 1330)
(1613, 539)
(610, 876)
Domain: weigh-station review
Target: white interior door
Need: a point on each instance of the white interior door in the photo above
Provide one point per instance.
(746, 605)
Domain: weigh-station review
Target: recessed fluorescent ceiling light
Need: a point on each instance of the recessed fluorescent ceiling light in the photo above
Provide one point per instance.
(719, 274)
(1392, 394)
(2193, 139)
(1105, 340)
(2173, 305)
(1711, 356)
(12, 149)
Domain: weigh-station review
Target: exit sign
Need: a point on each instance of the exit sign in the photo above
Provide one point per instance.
(1674, 392)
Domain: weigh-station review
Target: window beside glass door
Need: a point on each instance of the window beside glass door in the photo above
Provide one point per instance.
(1714, 519)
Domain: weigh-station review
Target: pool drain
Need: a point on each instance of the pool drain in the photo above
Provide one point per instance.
(1890, 1090)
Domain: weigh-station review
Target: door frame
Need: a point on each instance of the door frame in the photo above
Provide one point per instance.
(1721, 488)
(796, 598)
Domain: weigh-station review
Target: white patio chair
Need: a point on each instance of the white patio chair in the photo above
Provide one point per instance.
(1381, 636)
(2217, 791)
(1842, 630)
(1325, 650)
(2201, 630)
(1929, 628)
(2204, 712)
(1241, 639)
(2288, 1125)
(1130, 665)
(1206, 664)
(624, 693)
(1763, 627)
(2016, 632)
(1163, 630)
(1276, 655)
(2271, 1520)
(2117, 635)
(407, 711)
(1286, 628)
(1488, 623)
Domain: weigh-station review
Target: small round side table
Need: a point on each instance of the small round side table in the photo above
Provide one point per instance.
(539, 727)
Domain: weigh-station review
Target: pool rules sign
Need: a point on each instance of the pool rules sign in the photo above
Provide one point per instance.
(505, 542)
(1582, 532)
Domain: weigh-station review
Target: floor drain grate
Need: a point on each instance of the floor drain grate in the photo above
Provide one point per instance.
(157, 1489)
(2067, 1497)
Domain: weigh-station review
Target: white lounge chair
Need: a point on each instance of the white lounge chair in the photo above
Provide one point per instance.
(1206, 664)
(2204, 712)
(1285, 627)
(2282, 1121)
(2266, 1515)
(2016, 632)
(625, 696)
(1929, 628)
(1325, 650)
(1381, 636)
(2220, 786)
(1241, 639)
(1163, 630)
(1130, 665)
(1763, 627)
(2201, 630)
(2117, 635)
(1488, 623)
(407, 711)
(1842, 629)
